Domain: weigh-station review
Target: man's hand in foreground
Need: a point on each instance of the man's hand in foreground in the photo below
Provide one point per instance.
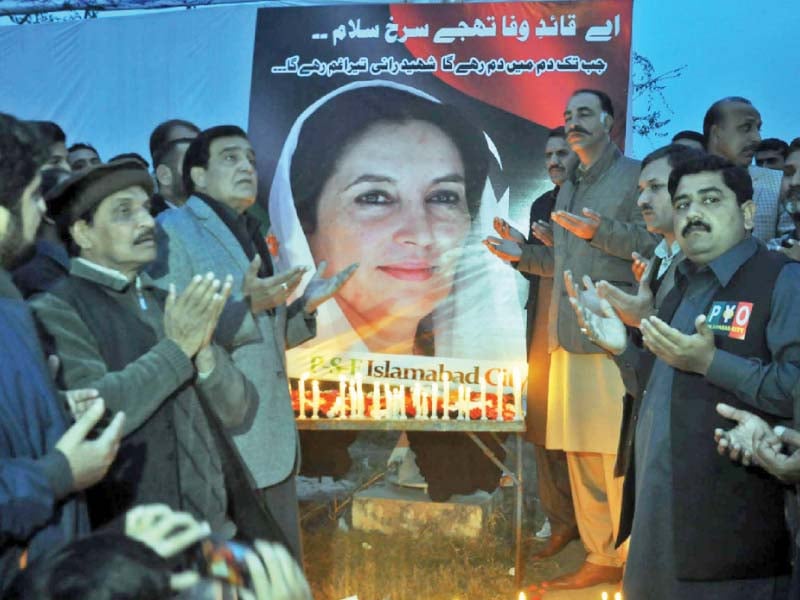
(89, 460)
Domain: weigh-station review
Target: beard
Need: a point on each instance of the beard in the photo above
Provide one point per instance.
(14, 248)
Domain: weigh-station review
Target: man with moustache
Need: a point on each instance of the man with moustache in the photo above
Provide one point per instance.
(148, 353)
(212, 231)
(701, 527)
(599, 227)
(168, 144)
(732, 129)
(44, 462)
(552, 477)
(656, 206)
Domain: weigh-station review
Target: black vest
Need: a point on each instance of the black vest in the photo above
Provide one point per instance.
(137, 474)
(728, 520)
(131, 479)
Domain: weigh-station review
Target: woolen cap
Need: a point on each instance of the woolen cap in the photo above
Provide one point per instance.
(85, 190)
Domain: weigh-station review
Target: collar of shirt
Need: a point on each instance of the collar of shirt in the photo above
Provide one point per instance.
(110, 278)
(667, 254)
(601, 165)
(723, 267)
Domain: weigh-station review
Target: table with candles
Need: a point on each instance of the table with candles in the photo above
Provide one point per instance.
(437, 406)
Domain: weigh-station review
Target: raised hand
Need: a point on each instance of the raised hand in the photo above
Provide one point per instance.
(543, 231)
(692, 353)
(89, 460)
(79, 401)
(265, 293)
(738, 443)
(582, 226)
(186, 317)
(217, 304)
(504, 249)
(164, 530)
(286, 580)
(639, 265)
(631, 309)
(320, 289)
(602, 327)
(589, 297)
(785, 467)
(507, 232)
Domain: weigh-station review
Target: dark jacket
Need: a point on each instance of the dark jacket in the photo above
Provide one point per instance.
(45, 268)
(37, 510)
(731, 517)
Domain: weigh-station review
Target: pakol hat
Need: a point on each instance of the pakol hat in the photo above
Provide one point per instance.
(85, 190)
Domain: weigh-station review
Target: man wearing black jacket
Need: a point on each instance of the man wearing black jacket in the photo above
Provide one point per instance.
(701, 527)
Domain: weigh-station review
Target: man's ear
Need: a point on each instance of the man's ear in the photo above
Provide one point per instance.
(713, 135)
(749, 214)
(81, 234)
(608, 122)
(163, 175)
(198, 175)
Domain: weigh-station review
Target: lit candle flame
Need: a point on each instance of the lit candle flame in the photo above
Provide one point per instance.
(604, 596)
(617, 596)
(521, 596)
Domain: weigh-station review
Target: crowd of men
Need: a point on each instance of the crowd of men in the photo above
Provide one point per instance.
(660, 339)
(662, 295)
(170, 387)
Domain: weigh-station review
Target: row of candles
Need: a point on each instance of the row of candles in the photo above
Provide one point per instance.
(603, 596)
(424, 399)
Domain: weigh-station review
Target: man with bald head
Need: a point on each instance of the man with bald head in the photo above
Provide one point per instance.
(732, 129)
(597, 228)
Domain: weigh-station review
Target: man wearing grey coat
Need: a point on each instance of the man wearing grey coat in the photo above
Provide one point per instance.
(211, 232)
(597, 227)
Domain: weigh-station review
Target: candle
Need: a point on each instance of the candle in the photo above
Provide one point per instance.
(401, 401)
(423, 406)
(416, 398)
(446, 395)
(483, 399)
(435, 395)
(353, 394)
(517, 394)
(301, 395)
(521, 596)
(499, 392)
(460, 403)
(389, 401)
(376, 400)
(617, 595)
(398, 406)
(604, 596)
(342, 390)
(362, 408)
(315, 399)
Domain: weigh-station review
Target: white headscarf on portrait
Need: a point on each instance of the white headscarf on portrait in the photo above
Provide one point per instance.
(480, 315)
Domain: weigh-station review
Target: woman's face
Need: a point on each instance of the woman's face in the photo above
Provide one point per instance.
(396, 205)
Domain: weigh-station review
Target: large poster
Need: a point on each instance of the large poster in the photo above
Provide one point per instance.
(392, 136)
